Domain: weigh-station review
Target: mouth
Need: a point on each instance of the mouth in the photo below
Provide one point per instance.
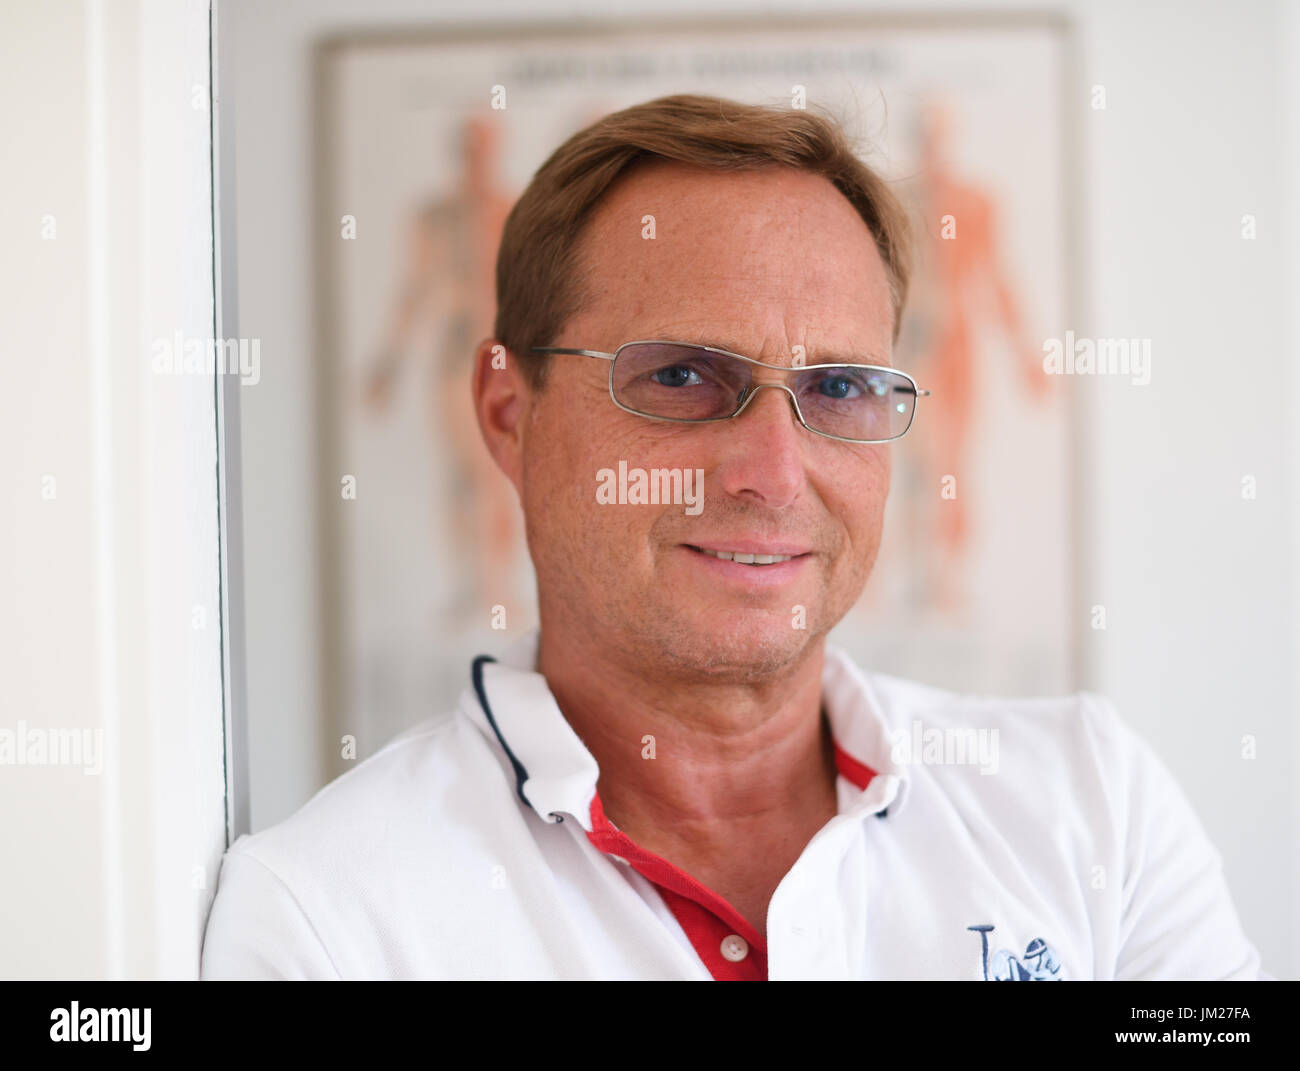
(744, 557)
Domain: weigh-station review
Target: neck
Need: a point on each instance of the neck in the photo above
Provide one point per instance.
(728, 756)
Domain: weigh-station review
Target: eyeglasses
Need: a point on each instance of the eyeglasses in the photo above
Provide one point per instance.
(691, 384)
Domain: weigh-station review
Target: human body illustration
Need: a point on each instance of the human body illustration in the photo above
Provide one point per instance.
(445, 304)
(962, 289)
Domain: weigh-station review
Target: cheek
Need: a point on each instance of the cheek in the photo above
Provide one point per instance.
(884, 471)
(861, 490)
(568, 527)
(558, 491)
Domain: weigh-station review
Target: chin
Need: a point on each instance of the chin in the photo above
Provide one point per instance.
(744, 645)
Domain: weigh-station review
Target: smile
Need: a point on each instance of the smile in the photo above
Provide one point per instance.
(746, 559)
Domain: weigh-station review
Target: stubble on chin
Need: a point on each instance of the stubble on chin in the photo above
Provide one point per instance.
(715, 644)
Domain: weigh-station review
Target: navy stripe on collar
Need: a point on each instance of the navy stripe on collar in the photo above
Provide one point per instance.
(521, 775)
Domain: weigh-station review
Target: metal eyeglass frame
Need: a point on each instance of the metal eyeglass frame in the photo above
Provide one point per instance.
(749, 397)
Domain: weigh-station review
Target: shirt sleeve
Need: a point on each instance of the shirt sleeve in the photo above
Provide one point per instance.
(1177, 919)
(257, 930)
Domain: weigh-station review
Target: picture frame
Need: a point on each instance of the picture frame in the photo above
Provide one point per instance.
(976, 584)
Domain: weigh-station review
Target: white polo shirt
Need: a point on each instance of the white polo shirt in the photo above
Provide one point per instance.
(475, 847)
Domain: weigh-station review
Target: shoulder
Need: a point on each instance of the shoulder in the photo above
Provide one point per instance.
(402, 771)
(1080, 801)
(1080, 729)
(318, 894)
(1056, 766)
(426, 786)
(901, 699)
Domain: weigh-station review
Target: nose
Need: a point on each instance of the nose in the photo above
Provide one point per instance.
(764, 449)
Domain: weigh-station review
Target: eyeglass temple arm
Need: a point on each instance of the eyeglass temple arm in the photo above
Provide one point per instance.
(575, 353)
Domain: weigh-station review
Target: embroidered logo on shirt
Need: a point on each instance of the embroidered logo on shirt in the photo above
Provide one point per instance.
(1039, 964)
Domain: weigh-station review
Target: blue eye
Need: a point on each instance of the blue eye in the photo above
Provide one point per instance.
(838, 387)
(677, 375)
(851, 385)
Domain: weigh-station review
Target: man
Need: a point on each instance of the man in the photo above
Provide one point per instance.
(675, 778)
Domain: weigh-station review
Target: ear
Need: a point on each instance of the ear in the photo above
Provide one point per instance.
(501, 401)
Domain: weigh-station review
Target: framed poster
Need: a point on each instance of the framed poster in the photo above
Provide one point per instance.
(425, 561)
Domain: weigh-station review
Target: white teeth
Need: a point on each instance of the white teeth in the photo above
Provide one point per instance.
(747, 559)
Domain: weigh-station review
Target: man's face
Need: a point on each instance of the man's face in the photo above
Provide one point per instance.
(758, 263)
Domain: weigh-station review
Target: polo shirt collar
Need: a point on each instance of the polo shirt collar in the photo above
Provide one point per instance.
(556, 775)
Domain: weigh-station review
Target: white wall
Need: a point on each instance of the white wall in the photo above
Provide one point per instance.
(1201, 587)
(1288, 42)
(109, 539)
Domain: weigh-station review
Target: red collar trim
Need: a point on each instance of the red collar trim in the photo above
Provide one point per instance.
(704, 915)
(858, 773)
(613, 841)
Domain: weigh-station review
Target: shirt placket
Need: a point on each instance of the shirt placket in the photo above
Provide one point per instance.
(728, 945)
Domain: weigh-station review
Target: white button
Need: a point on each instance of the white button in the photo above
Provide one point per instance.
(734, 948)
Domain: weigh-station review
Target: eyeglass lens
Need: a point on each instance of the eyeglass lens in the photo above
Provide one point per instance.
(678, 382)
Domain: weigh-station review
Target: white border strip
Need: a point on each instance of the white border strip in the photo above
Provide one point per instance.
(98, 351)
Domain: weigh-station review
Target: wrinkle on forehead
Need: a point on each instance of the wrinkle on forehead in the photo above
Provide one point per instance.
(755, 262)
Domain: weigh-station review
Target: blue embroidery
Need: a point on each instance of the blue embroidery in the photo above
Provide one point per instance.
(1040, 962)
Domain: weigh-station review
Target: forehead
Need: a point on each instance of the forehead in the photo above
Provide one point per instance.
(756, 261)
